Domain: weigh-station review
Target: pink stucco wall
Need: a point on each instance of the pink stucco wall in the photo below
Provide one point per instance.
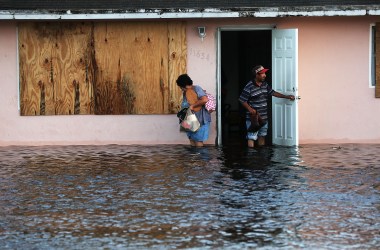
(337, 103)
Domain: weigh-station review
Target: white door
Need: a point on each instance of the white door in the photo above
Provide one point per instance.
(285, 81)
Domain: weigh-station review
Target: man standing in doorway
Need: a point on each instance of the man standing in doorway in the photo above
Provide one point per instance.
(254, 99)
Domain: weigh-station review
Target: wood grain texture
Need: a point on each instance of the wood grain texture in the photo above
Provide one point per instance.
(101, 67)
(132, 68)
(53, 68)
(34, 64)
(177, 62)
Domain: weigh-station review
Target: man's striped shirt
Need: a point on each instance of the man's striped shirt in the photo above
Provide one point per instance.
(257, 97)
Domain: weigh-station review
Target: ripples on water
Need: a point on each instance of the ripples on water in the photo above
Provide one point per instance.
(173, 196)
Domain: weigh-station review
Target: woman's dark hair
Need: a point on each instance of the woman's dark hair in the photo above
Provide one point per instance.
(184, 80)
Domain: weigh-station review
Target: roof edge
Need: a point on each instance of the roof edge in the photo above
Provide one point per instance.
(316, 11)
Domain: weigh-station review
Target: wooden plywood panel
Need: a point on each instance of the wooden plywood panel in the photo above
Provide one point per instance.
(53, 68)
(177, 62)
(377, 87)
(72, 82)
(101, 68)
(35, 68)
(132, 62)
(111, 89)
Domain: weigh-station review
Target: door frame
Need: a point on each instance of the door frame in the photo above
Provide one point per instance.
(219, 68)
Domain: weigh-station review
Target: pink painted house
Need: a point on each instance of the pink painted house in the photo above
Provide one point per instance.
(323, 54)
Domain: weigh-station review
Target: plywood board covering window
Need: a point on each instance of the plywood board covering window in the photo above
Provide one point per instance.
(101, 67)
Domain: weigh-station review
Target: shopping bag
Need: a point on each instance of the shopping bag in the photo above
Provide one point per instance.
(211, 103)
(190, 122)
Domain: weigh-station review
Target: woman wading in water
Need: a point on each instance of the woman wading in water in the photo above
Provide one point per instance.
(195, 98)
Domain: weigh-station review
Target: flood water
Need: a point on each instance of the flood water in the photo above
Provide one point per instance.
(174, 196)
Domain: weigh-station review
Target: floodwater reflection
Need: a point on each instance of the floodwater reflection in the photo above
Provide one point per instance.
(174, 196)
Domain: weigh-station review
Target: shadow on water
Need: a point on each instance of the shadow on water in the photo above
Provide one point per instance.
(175, 196)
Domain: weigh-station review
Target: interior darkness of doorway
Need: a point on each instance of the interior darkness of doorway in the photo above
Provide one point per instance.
(240, 52)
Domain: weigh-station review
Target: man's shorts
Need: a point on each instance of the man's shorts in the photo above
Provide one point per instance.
(253, 136)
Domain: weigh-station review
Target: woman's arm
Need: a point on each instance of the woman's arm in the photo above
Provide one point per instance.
(201, 101)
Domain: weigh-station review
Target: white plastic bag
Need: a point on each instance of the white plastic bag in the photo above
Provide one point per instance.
(190, 123)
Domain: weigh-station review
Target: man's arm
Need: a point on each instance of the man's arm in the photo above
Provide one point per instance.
(249, 108)
(279, 95)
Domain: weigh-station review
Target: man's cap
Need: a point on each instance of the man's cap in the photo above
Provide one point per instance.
(259, 69)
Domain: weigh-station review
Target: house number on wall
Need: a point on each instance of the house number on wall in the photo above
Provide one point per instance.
(199, 54)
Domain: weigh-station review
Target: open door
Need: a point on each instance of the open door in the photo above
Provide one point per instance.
(285, 80)
(239, 49)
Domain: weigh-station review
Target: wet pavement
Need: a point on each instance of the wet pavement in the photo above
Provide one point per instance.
(177, 197)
